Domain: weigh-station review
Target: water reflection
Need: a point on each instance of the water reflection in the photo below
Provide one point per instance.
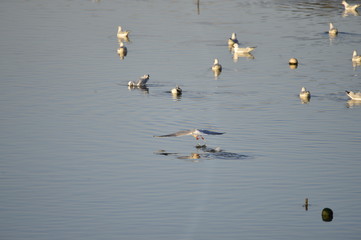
(204, 152)
(143, 89)
(353, 103)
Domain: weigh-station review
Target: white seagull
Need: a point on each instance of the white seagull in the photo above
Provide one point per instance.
(232, 40)
(333, 31)
(197, 133)
(356, 58)
(304, 93)
(140, 83)
(239, 50)
(216, 66)
(176, 91)
(349, 7)
(354, 96)
(122, 34)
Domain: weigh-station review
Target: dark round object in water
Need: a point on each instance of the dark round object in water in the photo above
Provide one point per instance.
(327, 215)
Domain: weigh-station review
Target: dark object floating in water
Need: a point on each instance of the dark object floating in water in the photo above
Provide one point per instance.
(327, 215)
(306, 204)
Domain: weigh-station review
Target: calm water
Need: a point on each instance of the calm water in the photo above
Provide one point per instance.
(77, 155)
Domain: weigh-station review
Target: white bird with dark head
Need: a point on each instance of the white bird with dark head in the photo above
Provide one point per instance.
(354, 95)
(232, 40)
(176, 91)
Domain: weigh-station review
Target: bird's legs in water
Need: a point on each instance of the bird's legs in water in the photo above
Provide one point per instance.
(197, 137)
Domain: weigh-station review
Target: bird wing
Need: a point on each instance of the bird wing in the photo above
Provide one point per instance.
(208, 132)
(177, 134)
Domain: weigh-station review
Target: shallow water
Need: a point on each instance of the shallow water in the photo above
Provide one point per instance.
(77, 155)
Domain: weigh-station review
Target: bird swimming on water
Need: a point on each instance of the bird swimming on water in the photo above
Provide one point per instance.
(196, 133)
(356, 58)
(232, 40)
(237, 49)
(176, 91)
(333, 31)
(216, 66)
(354, 96)
(122, 34)
(141, 82)
(349, 7)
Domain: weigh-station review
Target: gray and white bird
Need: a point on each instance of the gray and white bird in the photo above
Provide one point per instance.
(356, 58)
(349, 7)
(232, 40)
(238, 50)
(141, 82)
(196, 133)
(121, 33)
(354, 95)
(333, 31)
(216, 66)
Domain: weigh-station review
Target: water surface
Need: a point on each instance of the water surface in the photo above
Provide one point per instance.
(77, 156)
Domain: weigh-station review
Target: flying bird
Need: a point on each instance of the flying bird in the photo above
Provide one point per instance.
(196, 133)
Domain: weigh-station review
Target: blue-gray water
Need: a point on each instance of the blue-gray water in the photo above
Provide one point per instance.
(77, 155)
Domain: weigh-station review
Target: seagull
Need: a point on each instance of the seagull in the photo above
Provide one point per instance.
(349, 7)
(232, 40)
(176, 91)
(354, 96)
(333, 31)
(197, 133)
(356, 58)
(122, 34)
(141, 82)
(122, 50)
(304, 94)
(216, 66)
(239, 50)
